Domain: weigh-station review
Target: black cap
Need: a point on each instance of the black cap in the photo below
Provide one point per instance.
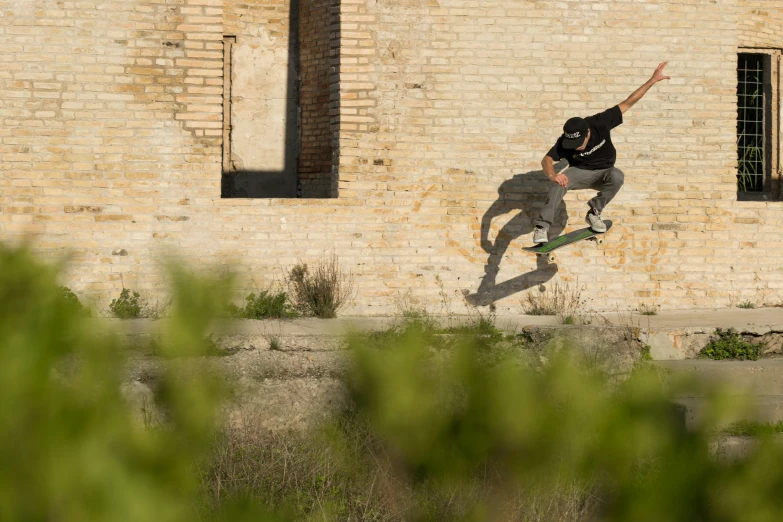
(574, 133)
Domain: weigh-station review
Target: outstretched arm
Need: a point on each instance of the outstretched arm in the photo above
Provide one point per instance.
(641, 91)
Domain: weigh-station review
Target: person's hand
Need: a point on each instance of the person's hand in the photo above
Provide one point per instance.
(561, 180)
(658, 74)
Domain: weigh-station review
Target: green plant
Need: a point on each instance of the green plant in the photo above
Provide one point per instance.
(127, 306)
(267, 305)
(747, 305)
(647, 353)
(321, 291)
(730, 345)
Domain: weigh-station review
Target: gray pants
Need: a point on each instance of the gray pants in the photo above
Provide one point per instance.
(608, 182)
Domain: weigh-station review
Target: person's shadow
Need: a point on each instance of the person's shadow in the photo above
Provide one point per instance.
(526, 194)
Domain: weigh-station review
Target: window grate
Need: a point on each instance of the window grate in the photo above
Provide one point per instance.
(750, 123)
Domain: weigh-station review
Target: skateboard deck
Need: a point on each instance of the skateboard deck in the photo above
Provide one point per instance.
(547, 249)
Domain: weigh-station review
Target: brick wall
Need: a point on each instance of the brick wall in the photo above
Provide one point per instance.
(110, 129)
(315, 154)
(110, 143)
(760, 23)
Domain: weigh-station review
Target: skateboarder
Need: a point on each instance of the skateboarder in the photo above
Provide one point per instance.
(586, 144)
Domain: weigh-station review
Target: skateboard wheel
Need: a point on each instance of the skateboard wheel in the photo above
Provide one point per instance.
(550, 258)
(599, 241)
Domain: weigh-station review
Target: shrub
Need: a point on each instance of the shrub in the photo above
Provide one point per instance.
(560, 299)
(267, 305)
(322, 291)
(730, 345)
(275, 343)
(127, 306)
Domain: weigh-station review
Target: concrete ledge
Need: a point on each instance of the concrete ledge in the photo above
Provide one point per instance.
(671, 335)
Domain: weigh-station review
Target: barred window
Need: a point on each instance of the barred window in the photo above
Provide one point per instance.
(750, 123)
(758, 172)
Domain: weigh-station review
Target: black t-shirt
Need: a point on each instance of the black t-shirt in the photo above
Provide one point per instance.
(600, 152)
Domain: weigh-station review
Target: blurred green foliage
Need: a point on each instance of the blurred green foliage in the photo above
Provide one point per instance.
(450, 421)
(72, 300)
(69, 445)
(435, 431)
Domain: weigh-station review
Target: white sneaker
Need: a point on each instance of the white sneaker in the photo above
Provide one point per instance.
(541, 236)
(594, 220)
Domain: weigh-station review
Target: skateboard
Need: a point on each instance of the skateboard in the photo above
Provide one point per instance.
(547, 249)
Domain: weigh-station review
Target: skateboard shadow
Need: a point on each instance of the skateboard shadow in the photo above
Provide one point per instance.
(524, 193)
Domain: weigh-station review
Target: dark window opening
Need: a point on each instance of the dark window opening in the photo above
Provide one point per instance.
(751, 119)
